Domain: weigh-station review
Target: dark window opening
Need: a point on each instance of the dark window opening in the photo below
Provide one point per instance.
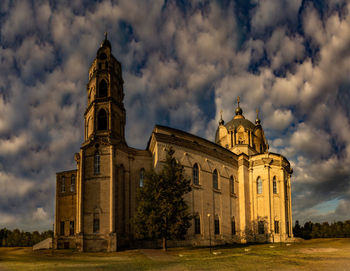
(103, 56)
(261, 227)
(217, 225)
(102, 120)
(233, 226)
(62, 228)
(215, 180)
(96, 225)
(277, 227)
(195, 173)
(197, 225)
(232, 185)
(71, 228)
(102, 89)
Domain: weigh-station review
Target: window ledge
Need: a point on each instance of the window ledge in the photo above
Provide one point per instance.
(197, 186)
(233, 195)
(217, 190)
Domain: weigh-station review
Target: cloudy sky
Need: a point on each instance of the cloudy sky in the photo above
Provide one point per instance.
(182, 63)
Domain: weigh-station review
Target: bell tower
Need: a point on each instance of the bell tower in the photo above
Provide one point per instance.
(104, 116)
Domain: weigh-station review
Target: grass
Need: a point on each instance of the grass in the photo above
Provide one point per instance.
(318, 254)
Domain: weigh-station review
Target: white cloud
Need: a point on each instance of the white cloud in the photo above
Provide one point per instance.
(40, 214)
(13, 186)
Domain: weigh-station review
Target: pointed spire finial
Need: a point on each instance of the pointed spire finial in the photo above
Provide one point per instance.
(257, 121)
(238, 101)
(106, 43)
(221, 122)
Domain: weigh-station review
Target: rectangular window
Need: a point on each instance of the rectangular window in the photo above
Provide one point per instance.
(277, 227)
(62, 228)
(233, 227)
(63, 184)
(197, 225)
(96, 226)
(71, 227)
(232, 185)
(261, 227)
(72, 183)
(217, 226)
(97, 164)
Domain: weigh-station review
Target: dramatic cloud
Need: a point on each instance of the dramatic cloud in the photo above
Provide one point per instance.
(182, 63)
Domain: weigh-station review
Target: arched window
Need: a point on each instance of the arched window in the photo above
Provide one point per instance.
(63, 184)
(277, 226)
(215, 180)
(274, 185)
(232, 185)
(102, 120)
(102, 89)
(97, 163)
(259, 185)
(142, 177)
(195, 174)
(233, 226)
(72, 183)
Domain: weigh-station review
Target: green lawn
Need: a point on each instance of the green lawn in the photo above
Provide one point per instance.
(319, 254)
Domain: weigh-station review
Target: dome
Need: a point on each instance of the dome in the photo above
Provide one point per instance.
(234, 123)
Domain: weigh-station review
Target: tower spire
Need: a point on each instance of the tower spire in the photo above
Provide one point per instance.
(239, 111)
(257, 121)
(221, 121)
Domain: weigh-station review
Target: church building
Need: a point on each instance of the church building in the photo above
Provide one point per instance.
(241, 192)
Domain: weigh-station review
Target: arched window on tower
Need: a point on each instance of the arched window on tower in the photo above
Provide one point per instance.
(142, 177)
(102, 89)
(102, 120)
(195, 174)
(97, 163)
(274, 185)
(259, 185)
(232, 185)
(215, 179)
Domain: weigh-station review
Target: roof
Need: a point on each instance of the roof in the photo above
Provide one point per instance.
(181, 138)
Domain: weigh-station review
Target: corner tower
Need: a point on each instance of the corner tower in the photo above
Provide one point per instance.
(105, 113)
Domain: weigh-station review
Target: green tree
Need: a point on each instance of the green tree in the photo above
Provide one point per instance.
(162, 211)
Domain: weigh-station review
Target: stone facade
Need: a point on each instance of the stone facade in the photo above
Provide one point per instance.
(240, 191)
